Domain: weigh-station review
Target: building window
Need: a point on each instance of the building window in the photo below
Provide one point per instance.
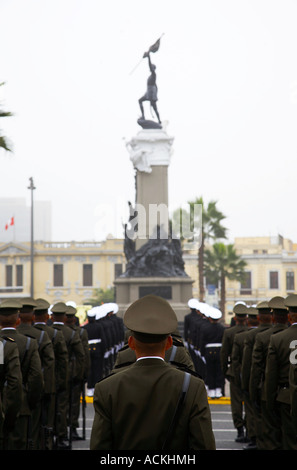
(246, 284)
(273, 279)
(118, 270)
(290, 280)
(19, 275)
(8, 273)
(87, 274)
(58, 275)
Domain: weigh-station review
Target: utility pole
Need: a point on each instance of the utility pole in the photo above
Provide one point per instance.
(32, 187)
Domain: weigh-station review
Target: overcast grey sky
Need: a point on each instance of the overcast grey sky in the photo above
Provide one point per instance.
(227, 79)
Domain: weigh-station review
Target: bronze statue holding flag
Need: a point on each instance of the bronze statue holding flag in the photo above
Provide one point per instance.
(151, 94)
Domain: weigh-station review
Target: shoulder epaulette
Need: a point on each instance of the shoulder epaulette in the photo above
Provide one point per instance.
(124, 364)
(8, 338)
(184, 368)
(177, 342)
(106, 377)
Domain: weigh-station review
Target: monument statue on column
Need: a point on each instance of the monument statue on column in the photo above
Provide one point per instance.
(154, 256)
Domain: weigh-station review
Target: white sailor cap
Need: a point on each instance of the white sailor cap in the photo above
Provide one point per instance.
(204, 308)
(111, 307)
(193, 303)
(91, 313)
(101, 311)
(214, 313)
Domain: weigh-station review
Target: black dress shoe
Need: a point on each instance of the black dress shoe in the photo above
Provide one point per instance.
(62, 445)
(251, 446)
(75, 436)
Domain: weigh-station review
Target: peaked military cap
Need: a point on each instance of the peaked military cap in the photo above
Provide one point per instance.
(240, 309)
(291, 300)
(42, 304)
(28, 302)
(59, 307)
(150, 318)
(70, 310)
(10, 306)
(263, 305)
(277, 302)
(252, 311)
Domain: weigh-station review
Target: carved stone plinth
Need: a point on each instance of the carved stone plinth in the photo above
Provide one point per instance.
(177, 290)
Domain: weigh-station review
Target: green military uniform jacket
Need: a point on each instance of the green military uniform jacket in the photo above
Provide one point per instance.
(236, 355)
(178, 355)
(134, 409)
(83, 334)
(30, 368)
(293, 387)
(259, 356)
(278, 365)
(246, 364)
(226, 349)
(60, 353)
(46, 352)
(10, 385)
(76, 355)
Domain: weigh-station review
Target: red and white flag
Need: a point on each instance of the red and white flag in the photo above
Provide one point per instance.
(9, 223)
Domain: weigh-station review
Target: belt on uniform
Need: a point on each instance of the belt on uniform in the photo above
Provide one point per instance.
(94, 341)
(213, 345)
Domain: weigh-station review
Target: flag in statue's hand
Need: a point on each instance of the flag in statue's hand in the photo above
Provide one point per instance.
(155, 46)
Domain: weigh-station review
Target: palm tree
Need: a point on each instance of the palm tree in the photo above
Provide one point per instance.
(3, 140)
(221, 263)
(211, 228)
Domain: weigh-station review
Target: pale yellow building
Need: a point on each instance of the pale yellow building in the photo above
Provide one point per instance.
(271, 269)
(72, 270)
(62, 270)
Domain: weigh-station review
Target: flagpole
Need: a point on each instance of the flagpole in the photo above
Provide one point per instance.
(32, 187)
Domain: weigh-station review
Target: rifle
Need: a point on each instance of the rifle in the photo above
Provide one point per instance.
(46, 430)
(84, 404)
(30, 443)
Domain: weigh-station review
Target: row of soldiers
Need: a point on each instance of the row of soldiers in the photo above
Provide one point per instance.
(258, 358)
(203, 334)
(45, 363)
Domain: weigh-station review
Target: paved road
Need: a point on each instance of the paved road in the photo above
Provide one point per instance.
(222, 426)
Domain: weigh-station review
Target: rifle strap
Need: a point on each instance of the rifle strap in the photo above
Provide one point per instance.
(181, 400)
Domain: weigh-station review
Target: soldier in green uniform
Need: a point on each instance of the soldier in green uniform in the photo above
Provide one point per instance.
(20, 438)
(78, 386)
(10, 381)
(293, 384)
(76, 358)
(237, 409)
(48, 411)
(267, 428)
(134, 408)
(265, 322)
(236, 358)
(277, 376)
(178, 355)
(47, 357)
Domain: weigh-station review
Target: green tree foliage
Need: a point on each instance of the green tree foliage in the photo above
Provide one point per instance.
(102, 296)
(222, 262)
(212, 229)
(3, 140)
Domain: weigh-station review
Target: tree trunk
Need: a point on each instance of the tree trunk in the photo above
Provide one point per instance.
(223, 294)
(201, 269)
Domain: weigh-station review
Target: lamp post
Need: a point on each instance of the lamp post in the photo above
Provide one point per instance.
(32, 187)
